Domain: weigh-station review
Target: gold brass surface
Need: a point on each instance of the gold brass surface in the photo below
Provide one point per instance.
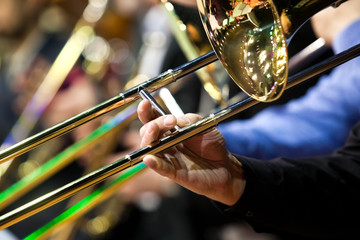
(247, 38)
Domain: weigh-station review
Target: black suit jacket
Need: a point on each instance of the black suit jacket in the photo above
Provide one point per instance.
(310, 198)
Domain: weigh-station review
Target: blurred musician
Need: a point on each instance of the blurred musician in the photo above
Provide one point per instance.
(32, 33)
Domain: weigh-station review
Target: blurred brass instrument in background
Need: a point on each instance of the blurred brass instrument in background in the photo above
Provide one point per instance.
(35, 170)
(250, 39)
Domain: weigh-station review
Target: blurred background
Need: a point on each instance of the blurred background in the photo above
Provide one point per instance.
(72, 55)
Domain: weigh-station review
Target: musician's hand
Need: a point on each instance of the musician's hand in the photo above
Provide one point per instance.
(202, 164)
(331, 21)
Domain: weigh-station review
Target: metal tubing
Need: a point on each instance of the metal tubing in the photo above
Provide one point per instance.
(105, 107)
(134, 158)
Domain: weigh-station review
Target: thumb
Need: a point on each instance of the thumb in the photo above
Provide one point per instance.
(160, 165)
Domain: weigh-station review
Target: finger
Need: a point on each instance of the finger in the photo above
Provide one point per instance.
(153, 130)
(165, 124)
(142, 130)
(159, 165)
(150, 134)
(146, 112)
(187, 119)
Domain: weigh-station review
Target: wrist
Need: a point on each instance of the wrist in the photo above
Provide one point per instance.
(237, 181)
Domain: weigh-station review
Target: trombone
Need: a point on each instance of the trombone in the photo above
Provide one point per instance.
(263, 77)
(62, 65)
(258, 90)
(78, 210)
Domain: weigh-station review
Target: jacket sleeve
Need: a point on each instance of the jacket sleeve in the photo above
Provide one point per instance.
(310, 198)
(314, 124)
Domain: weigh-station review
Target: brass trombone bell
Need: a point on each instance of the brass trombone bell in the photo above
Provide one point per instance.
(239, 31)
(250, 39)
(170, 76)
(136, 157)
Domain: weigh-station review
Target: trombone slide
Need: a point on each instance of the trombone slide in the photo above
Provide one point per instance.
(136, 157)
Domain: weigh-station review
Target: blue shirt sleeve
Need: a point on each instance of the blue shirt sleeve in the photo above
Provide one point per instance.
(314, 124)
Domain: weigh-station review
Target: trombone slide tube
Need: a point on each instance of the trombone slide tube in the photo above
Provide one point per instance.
(136, 157)
(132, 159)
(120, 100)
